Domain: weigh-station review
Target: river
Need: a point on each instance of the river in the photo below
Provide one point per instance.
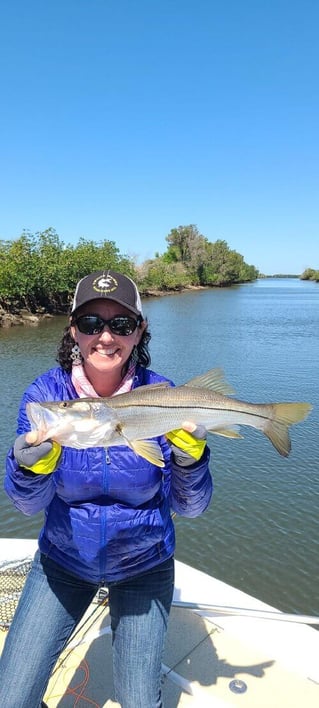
(261, 531)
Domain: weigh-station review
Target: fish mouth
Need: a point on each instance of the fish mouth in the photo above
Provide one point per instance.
(35, 415)
(43, 420)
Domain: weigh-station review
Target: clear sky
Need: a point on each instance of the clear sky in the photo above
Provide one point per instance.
(123, 119)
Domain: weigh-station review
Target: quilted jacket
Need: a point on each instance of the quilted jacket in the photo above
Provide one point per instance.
(107, 511)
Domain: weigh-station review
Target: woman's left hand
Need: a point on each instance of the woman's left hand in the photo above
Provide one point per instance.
(187, 443)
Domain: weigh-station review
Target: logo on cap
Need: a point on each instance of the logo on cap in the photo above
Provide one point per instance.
(105, 284)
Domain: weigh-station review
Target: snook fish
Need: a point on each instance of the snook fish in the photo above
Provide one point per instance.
(152, 410)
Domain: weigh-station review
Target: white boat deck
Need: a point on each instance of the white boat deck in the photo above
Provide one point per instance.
(276, 662)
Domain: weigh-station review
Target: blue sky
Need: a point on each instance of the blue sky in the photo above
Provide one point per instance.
(123, 119)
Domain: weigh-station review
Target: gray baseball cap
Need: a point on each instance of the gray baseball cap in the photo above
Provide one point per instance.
(108, 285)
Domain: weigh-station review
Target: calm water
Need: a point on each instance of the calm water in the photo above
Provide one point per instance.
(261, 532)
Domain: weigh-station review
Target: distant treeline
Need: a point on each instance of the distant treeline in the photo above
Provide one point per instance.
(38, 271)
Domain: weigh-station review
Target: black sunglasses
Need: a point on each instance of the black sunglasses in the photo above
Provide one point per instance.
(94, 324)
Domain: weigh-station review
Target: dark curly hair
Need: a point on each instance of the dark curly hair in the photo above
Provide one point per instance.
(143, 356)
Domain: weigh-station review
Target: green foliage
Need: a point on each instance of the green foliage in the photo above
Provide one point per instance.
(187, 246)
(160, 274)
(207, 263)
(310, 274)
(40, 271)
(89, 256)
(19, 269)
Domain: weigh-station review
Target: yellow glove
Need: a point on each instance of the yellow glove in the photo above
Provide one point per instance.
(40, 459)
(187, 447)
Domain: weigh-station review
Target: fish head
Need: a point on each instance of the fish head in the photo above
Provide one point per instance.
(77, 423)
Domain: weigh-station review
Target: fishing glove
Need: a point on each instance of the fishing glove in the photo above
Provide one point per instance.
(40, 459)
(187, 448)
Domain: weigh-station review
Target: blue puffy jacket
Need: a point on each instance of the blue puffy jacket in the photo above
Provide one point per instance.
(107, 512)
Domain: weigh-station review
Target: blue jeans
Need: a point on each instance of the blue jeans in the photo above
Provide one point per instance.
(51, 605)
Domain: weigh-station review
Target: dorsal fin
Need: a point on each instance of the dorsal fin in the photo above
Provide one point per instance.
(213, 379)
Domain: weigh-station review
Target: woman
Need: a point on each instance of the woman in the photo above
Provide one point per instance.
(107, 512)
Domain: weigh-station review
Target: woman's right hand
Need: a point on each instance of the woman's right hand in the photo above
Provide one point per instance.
(40, 459)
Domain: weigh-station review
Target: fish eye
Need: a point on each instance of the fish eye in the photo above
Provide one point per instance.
(64, 404)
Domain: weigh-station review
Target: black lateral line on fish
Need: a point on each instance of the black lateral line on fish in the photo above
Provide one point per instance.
(257, 410)
(194, 406)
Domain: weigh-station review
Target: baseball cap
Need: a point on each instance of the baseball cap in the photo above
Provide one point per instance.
(108, 285)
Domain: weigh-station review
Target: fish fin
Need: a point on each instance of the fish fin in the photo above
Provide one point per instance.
(213, 379)
(277, 429)
(148, 449)
(227, 433)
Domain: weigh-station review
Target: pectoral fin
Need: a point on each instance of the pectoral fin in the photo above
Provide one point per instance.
(150, 450)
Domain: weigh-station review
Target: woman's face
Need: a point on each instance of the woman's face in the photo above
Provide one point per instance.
(105, 353)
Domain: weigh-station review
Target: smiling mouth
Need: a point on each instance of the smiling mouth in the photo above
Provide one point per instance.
(106, 352)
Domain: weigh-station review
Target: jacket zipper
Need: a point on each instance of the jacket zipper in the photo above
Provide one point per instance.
(104, 514)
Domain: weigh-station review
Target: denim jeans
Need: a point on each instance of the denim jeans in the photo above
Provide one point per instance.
(51, 605)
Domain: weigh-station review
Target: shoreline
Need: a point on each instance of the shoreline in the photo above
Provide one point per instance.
(24, 317)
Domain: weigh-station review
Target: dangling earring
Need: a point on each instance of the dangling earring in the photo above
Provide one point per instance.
(76, 355)
(134, 355)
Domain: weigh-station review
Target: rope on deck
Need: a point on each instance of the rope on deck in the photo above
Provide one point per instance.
(12, 579)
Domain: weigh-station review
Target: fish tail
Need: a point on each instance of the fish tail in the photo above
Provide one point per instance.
(277, 428)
